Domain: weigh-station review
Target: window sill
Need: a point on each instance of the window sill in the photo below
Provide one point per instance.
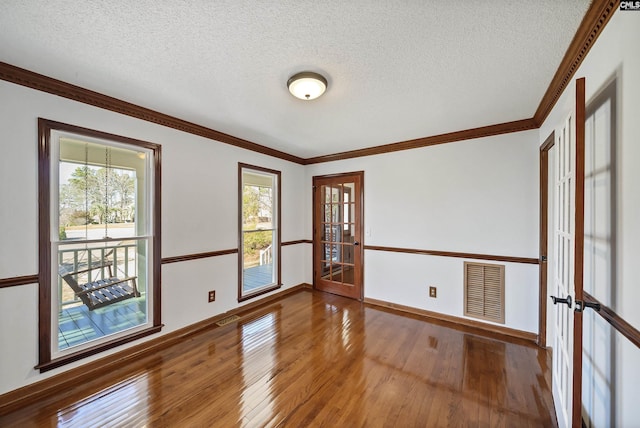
(259, 292)
(70, 358)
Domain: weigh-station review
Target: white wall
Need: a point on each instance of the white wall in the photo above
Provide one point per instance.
(475, 196)
(616, 55)
(199, 214)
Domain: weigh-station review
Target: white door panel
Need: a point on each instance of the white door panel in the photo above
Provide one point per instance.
(562, 285)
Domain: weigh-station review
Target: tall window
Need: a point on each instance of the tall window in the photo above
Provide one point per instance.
(99, 241)
(259, 207)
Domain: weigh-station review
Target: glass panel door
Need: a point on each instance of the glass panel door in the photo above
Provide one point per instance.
(338, 244)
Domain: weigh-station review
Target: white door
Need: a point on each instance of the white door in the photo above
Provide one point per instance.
(569, 258)
(562, 286)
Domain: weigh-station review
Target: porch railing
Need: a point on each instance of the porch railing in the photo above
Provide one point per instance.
(266, 255)
(123, 257)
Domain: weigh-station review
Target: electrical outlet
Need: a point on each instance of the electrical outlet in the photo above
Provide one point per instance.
(212, 296)
(432, 292)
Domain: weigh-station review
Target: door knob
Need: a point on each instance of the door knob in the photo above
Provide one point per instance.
(356, 243)
(557, 300)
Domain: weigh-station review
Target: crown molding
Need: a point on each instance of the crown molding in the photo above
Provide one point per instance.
(30, 79)
(594, 21)
(451, 137)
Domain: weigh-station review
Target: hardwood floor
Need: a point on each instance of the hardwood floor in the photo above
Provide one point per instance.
(316, 359)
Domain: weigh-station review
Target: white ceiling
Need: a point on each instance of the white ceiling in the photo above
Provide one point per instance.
(397, 69)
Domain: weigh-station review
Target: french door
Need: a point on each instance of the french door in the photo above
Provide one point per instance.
(567, 284)
(337, 234)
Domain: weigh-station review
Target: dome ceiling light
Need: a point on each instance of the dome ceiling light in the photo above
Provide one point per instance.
(307, 85)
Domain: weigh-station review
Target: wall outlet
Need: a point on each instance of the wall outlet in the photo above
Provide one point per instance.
(432, 292)
(212, 296)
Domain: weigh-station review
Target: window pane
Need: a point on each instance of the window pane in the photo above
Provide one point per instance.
(325, 233)
(335, 253)
(326, 192)
(108, 295)
(259, 254)
(347, 255)
(348, 273)
(335, 213)
(257, 207)
(326, 251)
(101, 187)
(258, 260)
(335, 194)
(325, 270)
(327, 212)
(336, 273)
(100, 242)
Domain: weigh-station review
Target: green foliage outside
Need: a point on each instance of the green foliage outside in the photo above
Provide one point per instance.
(256, 208)
(97, 196)
(256, 241)
(256, 205)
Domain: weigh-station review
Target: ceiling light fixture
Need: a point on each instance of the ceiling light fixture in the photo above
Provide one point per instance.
(307, 85)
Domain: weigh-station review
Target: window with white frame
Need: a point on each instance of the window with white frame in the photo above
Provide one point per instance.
(259, 235)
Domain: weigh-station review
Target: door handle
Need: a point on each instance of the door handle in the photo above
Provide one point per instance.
(580, 305)
(557, 300)
(356, 243)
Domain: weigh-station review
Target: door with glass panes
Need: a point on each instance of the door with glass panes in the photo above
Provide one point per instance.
(337, 240)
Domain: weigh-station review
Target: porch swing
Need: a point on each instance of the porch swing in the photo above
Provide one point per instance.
(104, 290)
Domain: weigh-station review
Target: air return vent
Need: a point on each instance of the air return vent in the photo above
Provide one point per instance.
(484, 291)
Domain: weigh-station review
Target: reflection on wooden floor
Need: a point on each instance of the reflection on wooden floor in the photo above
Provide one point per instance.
(315, 359)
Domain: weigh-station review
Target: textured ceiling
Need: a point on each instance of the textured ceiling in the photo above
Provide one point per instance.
(397, 69)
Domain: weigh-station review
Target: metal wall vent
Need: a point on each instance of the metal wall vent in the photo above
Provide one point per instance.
(227, 320)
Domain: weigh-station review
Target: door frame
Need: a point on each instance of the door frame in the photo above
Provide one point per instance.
(544, 238)
(360, 213)
(578, 275)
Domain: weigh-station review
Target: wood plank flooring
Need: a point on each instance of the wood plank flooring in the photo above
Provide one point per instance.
(310, 360)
